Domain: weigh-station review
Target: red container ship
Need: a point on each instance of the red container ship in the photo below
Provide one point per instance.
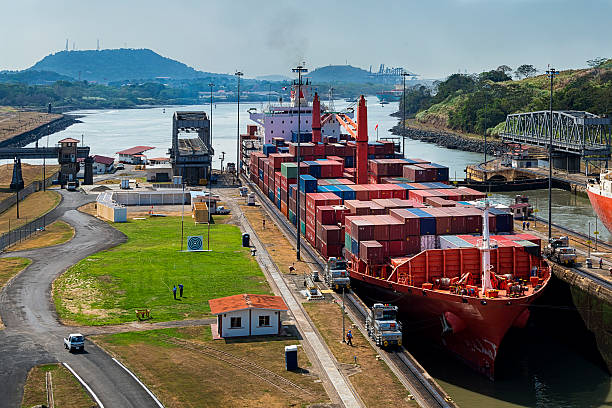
(600, 195)
(409, 237)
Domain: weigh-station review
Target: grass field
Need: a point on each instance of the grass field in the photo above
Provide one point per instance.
(34, 205)
(386, 391)
(106, 288)
(13, 122)
(29, 172)
(182, 377)
(67, 391)
(55, 233)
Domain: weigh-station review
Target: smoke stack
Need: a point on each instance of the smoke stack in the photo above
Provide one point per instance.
(316, 119)
(362, 142)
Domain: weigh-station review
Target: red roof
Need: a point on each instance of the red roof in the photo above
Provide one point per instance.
(245, 301)
(103, 159)
(135, 150)
(69, 140)
(160, 159)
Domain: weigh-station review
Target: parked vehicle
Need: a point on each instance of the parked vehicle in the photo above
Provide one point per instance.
(382, 325)
(74, 342)
(71, 186)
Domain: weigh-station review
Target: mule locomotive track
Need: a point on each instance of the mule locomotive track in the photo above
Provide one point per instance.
(425, 393)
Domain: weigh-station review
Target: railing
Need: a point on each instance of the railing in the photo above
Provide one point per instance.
(23, 232)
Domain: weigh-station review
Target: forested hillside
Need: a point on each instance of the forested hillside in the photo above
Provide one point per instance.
(471, 103)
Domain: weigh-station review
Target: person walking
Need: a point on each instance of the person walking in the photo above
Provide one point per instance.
(600, 263)
(523, 225)
(527, 225)
(349, 338)
(180, 289)
(174, 291)
(263, 223)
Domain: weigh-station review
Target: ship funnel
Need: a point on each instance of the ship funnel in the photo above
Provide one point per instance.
(316, 119)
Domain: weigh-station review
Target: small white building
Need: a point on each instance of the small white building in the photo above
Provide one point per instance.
(247, 315)
(134, 155)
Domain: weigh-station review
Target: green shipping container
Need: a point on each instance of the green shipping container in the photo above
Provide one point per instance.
(289, 170)
(292, 217)
(347, 241)
(303, 227)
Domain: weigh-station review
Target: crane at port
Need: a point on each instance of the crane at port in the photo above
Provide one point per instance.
(358, 131)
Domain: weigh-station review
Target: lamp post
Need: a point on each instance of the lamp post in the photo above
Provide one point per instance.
(404, 75)
(299, 69)
(44, 180)
(238, 74)
(550, 73)
(210, 133)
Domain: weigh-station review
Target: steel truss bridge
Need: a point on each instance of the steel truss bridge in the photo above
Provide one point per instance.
(573, 132)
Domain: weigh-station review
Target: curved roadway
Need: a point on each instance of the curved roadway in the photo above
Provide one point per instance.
(33, 333)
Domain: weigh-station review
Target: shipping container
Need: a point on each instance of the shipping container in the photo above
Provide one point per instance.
(371, 252)
(412, 223)
(427, 222)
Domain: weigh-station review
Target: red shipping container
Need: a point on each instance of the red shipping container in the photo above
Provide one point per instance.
(330, 234)
(374, 190)
(331, 250)
(326, 215)
(362, 193)
(415, 173)
(311, 235)
(371, 251)
(361, 230)
(412, 223)
(341, 212)
(284, 209)
(419, 195)
(431, 172)
(397, 248)
(381, 228)
(397, 231)
(413, 244)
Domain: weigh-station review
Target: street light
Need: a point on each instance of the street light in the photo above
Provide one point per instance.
(238, 74)
(299, 69)
(550, 73)
(210, 125)
(404, 75)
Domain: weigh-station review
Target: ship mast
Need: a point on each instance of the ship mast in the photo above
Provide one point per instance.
(485, 249)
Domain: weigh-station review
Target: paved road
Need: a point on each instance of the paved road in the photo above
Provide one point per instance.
(33, 334)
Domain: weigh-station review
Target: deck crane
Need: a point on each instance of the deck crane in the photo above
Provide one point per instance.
(357, 132)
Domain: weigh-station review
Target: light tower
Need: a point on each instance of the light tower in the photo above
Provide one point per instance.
(299, 69)
(551, 73)
(238, 161)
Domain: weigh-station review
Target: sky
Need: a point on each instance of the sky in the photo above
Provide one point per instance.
(433, 38)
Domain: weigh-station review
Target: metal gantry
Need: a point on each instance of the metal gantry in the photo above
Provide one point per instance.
(575, 132)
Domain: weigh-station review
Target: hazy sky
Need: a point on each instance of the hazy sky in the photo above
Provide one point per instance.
(433, 38)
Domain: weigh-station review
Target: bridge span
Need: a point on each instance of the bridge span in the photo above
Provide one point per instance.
(576, 135)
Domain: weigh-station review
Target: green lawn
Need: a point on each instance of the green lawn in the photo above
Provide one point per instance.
(107, 287)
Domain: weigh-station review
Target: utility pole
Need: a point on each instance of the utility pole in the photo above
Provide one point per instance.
(299, 69)
(238, 74)
(44, 180)
(182, 213)
(551, 73)
(222, 159)
(343, 327)
(210, 133)
(403, 104)
(484, 96)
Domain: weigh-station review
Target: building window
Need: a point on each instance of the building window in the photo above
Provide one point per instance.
(306, 120)
(264, 321)
(271, 121)
(283, 121)
(235, 322)
(271, 131)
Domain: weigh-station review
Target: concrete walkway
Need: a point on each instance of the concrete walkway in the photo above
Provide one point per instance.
(325, 359)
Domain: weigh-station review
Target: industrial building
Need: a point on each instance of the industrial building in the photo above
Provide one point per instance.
(247, 315)
(134, 155)
(191, 157)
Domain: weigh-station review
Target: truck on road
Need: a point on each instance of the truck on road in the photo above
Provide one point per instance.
(336, 276)
(383, 327)
(74, 342)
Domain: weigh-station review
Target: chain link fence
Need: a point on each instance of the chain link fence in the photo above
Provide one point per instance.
(25, 231)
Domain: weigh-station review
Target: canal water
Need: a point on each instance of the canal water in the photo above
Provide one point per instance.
(536, 369)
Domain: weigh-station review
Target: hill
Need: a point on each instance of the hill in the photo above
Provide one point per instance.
(115, 65)
(340, 73)
(471, 103)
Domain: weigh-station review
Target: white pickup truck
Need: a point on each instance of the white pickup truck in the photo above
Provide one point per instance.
(74, 342)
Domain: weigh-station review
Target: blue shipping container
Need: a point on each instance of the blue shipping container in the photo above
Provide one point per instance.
(269, 148)
(427, 221)
(354, 247)
(308, 183)
(290, 192)
(347, 192)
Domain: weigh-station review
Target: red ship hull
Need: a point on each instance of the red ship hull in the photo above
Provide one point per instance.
(481, 325)
(602, 206)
